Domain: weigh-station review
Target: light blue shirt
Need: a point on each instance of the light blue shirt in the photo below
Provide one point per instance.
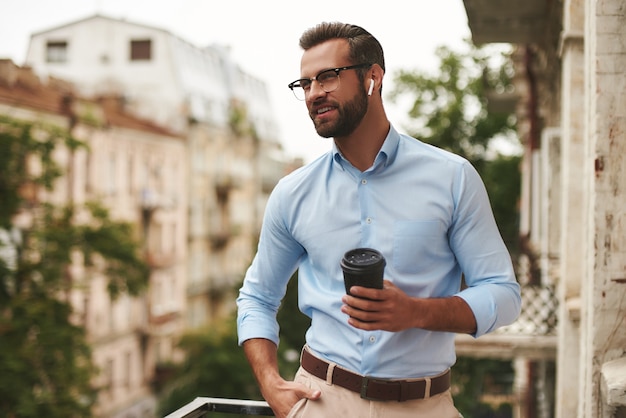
(425, 209)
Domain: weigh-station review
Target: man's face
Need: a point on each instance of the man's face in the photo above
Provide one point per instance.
(338, 113)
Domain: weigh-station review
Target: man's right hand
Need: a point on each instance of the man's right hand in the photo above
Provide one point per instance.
(284, 396)
(280, 394)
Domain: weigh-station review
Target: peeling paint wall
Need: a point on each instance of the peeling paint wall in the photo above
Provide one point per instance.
(604, 303)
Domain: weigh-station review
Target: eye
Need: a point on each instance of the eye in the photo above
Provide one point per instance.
(305, 83)
(326, 76)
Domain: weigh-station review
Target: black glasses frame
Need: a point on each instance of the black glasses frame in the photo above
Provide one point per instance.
(299, 83)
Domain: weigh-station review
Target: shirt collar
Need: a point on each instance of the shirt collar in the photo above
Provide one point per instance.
(386, 155)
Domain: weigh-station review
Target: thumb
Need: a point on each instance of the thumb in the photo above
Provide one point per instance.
(309, 393)
(388, 285)
(313, 394)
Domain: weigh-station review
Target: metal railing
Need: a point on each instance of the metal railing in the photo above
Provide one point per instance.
(539, 312)
(199, 407)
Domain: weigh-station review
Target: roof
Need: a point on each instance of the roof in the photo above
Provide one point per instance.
(21, 87)
(125, 22)
(94, 17)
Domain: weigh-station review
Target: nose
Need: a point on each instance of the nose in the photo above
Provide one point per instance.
(315, 91)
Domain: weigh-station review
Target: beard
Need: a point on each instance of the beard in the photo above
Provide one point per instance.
(350, 116)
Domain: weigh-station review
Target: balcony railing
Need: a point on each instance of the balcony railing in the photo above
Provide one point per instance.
(539, 312)
(533, 335)
(201, 406)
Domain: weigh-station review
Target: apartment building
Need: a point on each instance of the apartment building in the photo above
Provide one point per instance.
(162, 76)
(136, 169)
(225, 115)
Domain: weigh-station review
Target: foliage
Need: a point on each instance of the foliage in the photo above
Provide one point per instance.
(45, 360)
(102, 237)
(19, 141)
(450, 110)
(293, 325)
(478, 377)
(502, 179)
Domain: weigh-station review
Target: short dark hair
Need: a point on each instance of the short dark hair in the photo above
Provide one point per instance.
(364, 48)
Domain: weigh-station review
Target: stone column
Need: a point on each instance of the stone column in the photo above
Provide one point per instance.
(573, 230)
(603, 321)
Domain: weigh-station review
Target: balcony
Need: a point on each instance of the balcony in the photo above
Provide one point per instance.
(158, 260)
(200, 407)
(532, 336)
(219, 238)
(509, 22)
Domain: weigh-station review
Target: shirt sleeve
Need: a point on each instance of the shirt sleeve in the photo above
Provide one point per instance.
(492, 290)
(266, 279)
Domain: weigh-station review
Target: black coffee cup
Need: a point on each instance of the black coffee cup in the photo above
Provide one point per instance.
(363, 267)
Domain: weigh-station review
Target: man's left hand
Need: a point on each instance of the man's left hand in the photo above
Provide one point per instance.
(388, 309)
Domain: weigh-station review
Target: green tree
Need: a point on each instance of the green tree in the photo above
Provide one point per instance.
(45, 361)
(293, 325)
(480, 376)
(450, 109)
(503, 183)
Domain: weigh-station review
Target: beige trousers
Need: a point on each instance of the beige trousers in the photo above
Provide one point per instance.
(343, 403)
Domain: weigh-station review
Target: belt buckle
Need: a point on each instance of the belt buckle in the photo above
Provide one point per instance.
(364, 384)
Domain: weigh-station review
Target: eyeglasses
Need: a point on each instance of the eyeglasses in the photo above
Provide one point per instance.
(327, 79)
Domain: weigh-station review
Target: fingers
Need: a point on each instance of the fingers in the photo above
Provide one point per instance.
(363, 313)
(370, 293)
(362, 302)
(303, 391)
(285, 400)
(376, 309)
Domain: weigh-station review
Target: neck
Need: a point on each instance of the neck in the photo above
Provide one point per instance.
(361, 147)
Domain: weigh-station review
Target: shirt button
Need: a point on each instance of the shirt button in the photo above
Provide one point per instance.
(372, 339)
(363, 181)
(368, 220)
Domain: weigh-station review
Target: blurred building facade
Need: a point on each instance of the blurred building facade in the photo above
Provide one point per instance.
(570, 98)
(235, 156)
(183, 144)
(135, 168)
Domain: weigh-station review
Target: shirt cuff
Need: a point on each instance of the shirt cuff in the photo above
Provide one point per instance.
(248, 328)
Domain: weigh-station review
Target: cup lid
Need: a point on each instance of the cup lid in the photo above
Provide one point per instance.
(360, 258)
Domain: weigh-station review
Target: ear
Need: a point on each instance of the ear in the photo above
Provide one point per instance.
(376, 78)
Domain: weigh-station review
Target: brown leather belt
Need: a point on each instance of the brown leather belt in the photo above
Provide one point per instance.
(376, 389)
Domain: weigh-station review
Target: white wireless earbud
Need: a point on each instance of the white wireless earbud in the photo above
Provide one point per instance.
(369, 92)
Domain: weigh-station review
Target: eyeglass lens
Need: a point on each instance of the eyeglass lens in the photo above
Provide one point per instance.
(328, 81)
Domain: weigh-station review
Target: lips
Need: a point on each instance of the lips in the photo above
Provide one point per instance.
(321, 110)
(324, 109)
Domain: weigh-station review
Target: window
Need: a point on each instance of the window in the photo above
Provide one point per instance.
(129, 174)
(127, 368)
(88, 161)
(56, 51)
(141, 50)
(108, 376)
(111, 174)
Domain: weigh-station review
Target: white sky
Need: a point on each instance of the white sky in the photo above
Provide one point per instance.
(263, 37)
